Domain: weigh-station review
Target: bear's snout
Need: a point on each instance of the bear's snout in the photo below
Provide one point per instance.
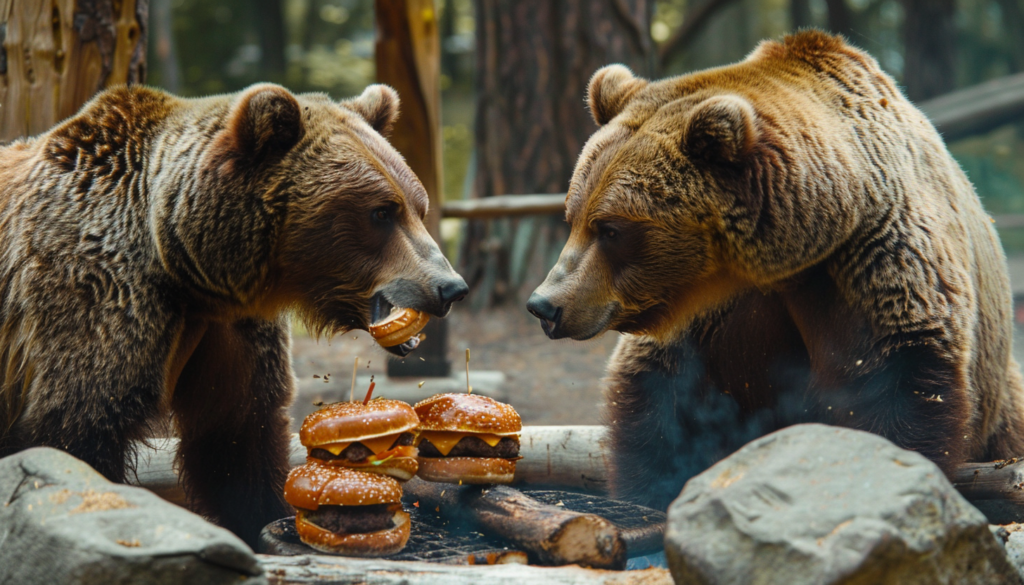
(542, 308)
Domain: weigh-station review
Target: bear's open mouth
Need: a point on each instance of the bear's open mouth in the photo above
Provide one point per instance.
(383, 312)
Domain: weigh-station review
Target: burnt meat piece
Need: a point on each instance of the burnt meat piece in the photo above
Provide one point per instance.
(357, 451)
(471, 446)
(353, 519)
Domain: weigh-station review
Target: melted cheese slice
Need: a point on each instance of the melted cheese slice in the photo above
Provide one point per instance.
(446, 440)
(376, 444)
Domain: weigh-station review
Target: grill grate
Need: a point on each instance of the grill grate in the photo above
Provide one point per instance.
(433, 538)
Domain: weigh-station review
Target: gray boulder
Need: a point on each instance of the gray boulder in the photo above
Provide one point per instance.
(823, 505)
(62, 522)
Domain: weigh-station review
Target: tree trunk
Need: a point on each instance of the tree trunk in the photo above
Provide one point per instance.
(534, 59)
(799, 14)
(408, 56)
(840, 18)
(1013, 21)
(57, 55)
(929, 39)
(270, 27)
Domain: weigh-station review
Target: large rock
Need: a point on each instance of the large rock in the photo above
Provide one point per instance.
(62, 522)
(822, 505)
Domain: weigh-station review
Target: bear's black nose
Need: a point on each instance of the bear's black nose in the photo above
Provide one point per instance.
(541, 308)
(452, 290)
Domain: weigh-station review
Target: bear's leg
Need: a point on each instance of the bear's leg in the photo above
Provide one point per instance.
(667, 421)
(917, 397)
(230, 409)
(85, 418)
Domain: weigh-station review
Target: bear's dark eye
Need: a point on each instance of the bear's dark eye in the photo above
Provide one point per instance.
(607, 232)
(382, 214)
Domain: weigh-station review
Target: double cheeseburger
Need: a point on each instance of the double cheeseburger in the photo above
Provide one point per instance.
(376, 437)
(340, 510)
(468, 438)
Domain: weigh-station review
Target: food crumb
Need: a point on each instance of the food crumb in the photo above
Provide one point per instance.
(129, 543)
(416, 503)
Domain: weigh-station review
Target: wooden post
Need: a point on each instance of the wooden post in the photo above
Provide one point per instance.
(408, 56)
(56, 55)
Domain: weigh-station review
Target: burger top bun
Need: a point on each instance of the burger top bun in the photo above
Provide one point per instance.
(355, 421)
(469, 413)
(312, 485)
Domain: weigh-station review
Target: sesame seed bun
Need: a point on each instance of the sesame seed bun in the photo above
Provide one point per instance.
(313, 484)
(362, 544)
(354, 421)
(470, 470)
(469, 413)
(399, 327)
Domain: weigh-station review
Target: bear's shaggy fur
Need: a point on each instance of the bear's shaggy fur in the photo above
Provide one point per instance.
(149, 249)
(782, 240)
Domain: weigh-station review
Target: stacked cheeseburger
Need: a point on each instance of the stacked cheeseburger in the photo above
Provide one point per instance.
(346, 495)
(467, 438)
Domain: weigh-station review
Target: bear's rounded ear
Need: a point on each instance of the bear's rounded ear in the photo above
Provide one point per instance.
(378, 105)
(721, 129)
(264, 123)
(609, 90)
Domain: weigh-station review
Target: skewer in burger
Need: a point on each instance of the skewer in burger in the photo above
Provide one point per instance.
(467, 437)
(376, 437)
(340, 510)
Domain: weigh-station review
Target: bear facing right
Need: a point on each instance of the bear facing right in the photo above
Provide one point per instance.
(781, 240)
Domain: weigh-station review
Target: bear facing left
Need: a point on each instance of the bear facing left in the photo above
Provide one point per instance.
(151, 250)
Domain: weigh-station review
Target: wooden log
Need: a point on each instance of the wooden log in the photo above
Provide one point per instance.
(552, 535)
(978, 108)
(563, 456)
(557, 456)
(336, 570)
(996, 488)
(505, 206)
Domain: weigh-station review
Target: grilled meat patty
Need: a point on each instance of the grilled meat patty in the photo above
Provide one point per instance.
(471, 446)
(357, 451)
(353, 519)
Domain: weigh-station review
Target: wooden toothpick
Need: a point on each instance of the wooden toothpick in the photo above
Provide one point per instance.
(469, 389)
(352, 391)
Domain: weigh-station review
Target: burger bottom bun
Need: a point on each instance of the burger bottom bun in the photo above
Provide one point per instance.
(366, 544)
(471, 470)
(400, 468)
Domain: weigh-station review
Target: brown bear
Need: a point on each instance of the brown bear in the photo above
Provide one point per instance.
(150, 250)
(781, 240)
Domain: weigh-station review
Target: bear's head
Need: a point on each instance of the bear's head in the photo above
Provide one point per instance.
(646, 204)
(299, 202)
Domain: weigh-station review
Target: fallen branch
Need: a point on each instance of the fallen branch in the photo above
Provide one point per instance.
(552, 535)
(996, 488)
(978, 108)
(505, 206)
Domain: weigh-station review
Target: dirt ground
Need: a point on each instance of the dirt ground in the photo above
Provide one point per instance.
(548, 382)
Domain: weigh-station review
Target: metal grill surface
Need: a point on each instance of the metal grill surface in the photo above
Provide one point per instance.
(433, 538)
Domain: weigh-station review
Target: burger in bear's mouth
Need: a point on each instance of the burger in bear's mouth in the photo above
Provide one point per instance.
(394, 328)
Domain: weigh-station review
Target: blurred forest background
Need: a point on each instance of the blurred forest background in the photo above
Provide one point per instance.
(521, 67)
(513, 78)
